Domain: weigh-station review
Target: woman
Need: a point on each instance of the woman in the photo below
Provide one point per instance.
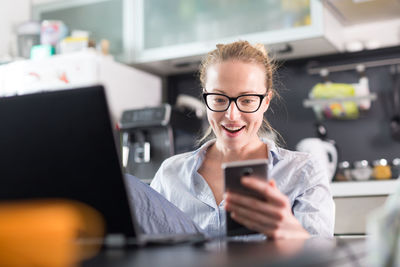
(237, 89)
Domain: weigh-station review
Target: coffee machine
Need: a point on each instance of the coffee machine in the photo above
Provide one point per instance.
(150, 135)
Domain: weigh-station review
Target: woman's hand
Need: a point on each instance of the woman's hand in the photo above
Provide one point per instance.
(272, 216)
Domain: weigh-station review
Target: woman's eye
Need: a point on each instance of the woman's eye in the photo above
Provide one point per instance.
(219, 100)
(247, 101)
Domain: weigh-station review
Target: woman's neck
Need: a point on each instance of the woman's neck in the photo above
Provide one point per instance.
(222, 153)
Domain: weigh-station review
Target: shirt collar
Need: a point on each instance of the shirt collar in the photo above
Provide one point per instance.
(273, 152)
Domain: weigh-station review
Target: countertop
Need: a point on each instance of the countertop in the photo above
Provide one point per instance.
(364, 188)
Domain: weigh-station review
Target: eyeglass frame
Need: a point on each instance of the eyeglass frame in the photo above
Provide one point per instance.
(234, 99)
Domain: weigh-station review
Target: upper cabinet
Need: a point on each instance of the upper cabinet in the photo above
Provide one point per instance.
(104, 19)
(171, 36)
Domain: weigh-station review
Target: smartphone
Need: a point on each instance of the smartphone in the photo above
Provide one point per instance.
(233, 173)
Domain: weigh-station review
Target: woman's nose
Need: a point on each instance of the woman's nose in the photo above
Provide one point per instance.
(233, 112)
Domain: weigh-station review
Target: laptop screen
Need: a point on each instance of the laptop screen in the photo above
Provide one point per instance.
(60, 144)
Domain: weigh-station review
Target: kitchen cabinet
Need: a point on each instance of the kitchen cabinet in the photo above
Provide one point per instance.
(126, 87)
(104, 19)
(171, 36)
(354, 201)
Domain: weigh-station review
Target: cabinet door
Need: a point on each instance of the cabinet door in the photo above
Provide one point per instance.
(104, 19)
(178, 28)
(352, 213)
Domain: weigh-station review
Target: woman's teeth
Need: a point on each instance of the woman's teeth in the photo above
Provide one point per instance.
(233, 129)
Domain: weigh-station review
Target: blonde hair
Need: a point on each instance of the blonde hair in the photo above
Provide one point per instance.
(245, 52)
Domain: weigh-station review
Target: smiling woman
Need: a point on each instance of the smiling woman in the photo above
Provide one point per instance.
(237, 90)
(238, 80)
(241, 52)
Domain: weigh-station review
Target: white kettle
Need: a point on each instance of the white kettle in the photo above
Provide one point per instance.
(325, 151)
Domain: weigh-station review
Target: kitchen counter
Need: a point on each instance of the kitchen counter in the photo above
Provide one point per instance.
(364, 188)
(354, 201)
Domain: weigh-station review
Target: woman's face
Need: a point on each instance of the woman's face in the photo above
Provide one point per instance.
(233, 128)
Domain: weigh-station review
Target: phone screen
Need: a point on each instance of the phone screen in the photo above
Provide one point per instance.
(233, 172)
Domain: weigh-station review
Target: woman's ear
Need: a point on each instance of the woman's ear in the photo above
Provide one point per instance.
(268, 98)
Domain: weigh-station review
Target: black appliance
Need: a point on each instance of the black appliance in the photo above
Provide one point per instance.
(150, 135)
(395, 120)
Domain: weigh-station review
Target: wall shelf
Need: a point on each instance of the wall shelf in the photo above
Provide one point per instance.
(353, 66)
(308, 103)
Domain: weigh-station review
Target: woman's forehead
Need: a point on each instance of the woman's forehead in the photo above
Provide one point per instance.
(234, 70)
(240, 77)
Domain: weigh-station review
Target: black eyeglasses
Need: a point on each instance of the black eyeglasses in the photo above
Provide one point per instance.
(247, 103)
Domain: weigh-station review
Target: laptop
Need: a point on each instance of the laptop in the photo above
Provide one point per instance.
(60, 144)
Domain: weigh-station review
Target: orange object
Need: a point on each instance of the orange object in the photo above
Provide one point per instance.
(382, 172)
(47, 233)
(63, 77)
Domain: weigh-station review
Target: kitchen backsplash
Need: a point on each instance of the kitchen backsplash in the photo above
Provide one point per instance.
(365, 138)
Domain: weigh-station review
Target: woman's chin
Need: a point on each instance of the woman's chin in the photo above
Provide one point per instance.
(232, 142)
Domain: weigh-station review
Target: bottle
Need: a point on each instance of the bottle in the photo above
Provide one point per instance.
(396, 168)
(343, 173)
(361, 171)
(381, 170)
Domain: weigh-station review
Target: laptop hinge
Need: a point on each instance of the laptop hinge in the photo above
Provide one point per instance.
(115, 240)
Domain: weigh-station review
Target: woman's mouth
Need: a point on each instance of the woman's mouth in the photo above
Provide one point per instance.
(233, 131)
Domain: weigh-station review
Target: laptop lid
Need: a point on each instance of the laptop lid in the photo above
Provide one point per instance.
(60, 144)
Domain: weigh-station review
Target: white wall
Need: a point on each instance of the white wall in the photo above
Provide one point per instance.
(12, 13)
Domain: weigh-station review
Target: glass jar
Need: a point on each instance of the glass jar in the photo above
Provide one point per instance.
(381, 170)
(343, 173)
(362, 171)
(396, 168)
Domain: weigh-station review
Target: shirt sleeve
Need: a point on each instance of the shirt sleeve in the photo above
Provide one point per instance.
(156, 182)
(314, 206)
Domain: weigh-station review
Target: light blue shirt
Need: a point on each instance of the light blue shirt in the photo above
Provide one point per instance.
(298, 175)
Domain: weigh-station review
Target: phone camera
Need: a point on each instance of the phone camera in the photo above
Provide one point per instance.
(247, 171)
